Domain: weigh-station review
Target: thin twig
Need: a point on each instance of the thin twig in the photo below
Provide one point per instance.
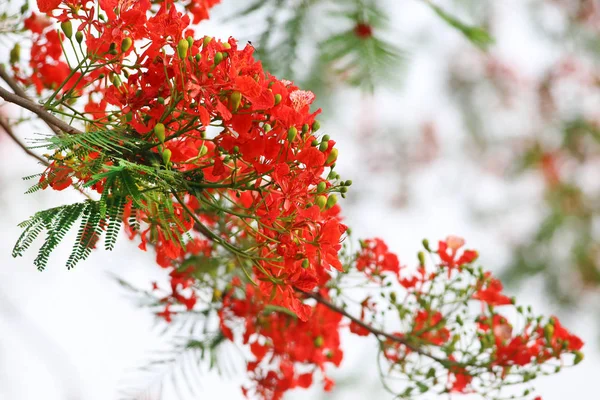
(7, 128)
(19, 91)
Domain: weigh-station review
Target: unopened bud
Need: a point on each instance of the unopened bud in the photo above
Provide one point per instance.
(206, 40)
(203, 150)
(305, 263)
(15, 54)
(67, 28)
(159, 131)
(226, 46)
(161, 100)
(331, 201)
(79, 36)
(325, 138)
(126, 44)
(578, 357)
(218, 57)
(316, 126)
(190, 41)
(426, 244)
(116, 81)
(321, 187)
(166, 155)
(548, 332)
(332, 156)
(291, 135)
(277, 98)
(321, 201)
(421, 256)
(182, 48)
(235, 99)
(198, 57)
(348, 183)
(319, 341)
(323, 146)
(305, 128)
(267, 127)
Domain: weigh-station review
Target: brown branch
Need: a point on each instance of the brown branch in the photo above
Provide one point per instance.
(20, 92)
(7, 128)
(39, 111)
(377, 332)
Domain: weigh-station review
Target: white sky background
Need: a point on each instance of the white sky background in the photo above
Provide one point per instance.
(75, 335)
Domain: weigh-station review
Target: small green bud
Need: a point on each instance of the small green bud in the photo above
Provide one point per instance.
(79, 36)
(166, 155)
(305, 263)
(314, 143)
(578, 357)
(206, 40)
(190, 41)
(319, 341)
(182, 48)
(331, 201)
(277, 98)
(291, 135)
(324, 146)
(15, 54)
(159, 131)
(126, 44)
(210, 75)
(321, 201)
(343, 189)
(421, 256)
(218, 58)
(235, 150)
(267, 127)
(113, 46)
(161, 100)
(235, 99)
(321, 187)
(116, 81)
(325, 138)
(348, 183)
(198, 57)
(226, 46)
(316, 126)
(426, 245)
(332, 156)
(548, 332)
(203, 150)
(305, 128)
(67, 28)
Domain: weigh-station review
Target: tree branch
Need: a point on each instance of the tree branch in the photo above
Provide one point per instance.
(12, 135)
(39, 111)
(20, 92)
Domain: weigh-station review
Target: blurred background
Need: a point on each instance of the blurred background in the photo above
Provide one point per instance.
(442, 132)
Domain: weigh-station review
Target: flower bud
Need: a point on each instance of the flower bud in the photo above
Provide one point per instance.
(79, 36)
(161, 100)
(305, 263)
(291, 135)
(321, 201)
(116, 81)
(319, 341)
(332, 156)
(166, 155)
(305, 128)
(226, 46)
(277, 98)
(331, 201)
(198, 57)
(325, 138)
(321, 187)
(314, 143)
(218, 58)
(267, 127)
(206, 41)
(159, 131)
(426, 245)
(67, 28)
(203, 150)
(323, 146)
(190, 41)
(182, 48)
(235, 99)
(316, 126)
(548, 332)
(15, 54)
(421, 256)
(578, 357)
(126, 44)
(348, 182)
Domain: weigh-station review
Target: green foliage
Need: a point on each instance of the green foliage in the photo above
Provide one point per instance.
(475, 34)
